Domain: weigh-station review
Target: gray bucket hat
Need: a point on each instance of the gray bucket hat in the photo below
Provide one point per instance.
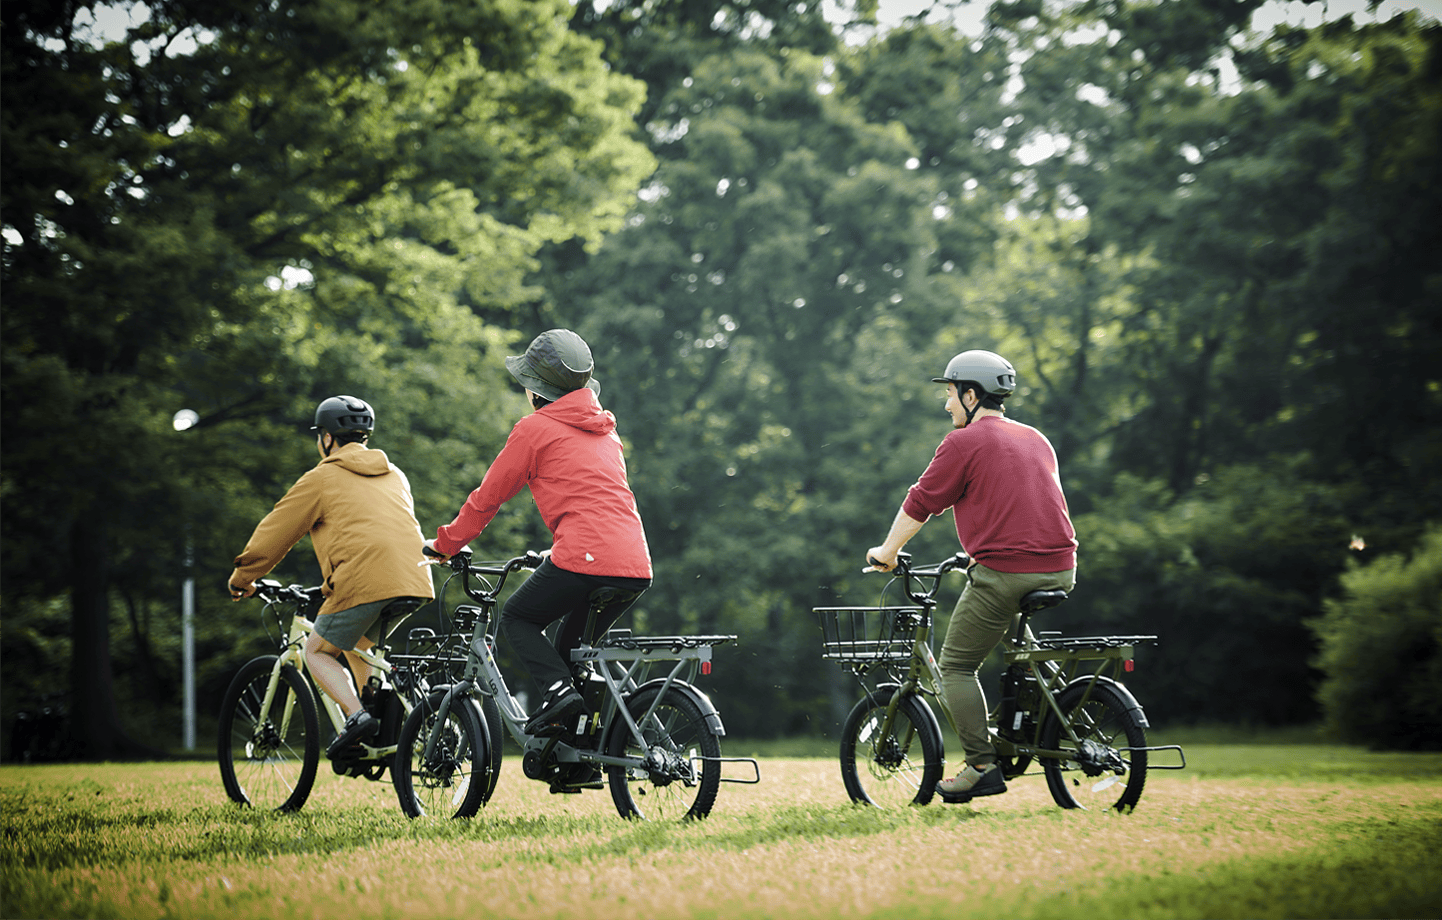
(557, 362)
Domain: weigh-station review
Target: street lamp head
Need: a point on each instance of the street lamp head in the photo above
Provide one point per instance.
(185, 419)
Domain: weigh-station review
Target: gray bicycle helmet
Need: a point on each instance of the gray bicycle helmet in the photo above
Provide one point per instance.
(988, 370)
(557, 362)
(344, 414)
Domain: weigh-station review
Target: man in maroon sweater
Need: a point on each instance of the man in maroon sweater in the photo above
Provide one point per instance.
(1000, 480)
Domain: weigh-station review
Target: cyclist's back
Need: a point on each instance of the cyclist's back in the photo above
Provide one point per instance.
(357, 508)
(568, 454)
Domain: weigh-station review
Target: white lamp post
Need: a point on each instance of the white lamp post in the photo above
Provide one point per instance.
(184, 420)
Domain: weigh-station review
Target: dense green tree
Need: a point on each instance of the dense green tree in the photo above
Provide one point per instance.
(1381, 650)
(1219, 290)
(1091, 198)
(243, 208)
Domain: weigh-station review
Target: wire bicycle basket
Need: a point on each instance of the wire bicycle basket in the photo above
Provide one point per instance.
(868, 633)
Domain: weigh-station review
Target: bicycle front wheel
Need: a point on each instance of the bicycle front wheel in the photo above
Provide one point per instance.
(680, 773)
(890, 766)
(1106, 765)
(455, 779)
(268, 756)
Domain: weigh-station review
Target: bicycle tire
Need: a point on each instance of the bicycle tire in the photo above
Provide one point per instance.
(1087, 779)
(455, 782)
(901, 768)
(268, 759)
(685, 748)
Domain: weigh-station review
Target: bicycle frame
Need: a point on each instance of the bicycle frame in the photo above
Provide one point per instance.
(623, 664)
(1054, 664)
(292, 652)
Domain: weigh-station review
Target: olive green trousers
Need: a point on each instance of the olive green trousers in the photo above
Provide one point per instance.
(985, 614)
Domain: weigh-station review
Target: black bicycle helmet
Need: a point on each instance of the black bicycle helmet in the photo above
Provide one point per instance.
(344, 415)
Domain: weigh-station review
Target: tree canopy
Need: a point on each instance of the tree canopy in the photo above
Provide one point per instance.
(1210, 251)
(242, 209)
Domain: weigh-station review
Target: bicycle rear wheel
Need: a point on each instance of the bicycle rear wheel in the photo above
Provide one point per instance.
(896, 767)
(1106, 766)
(455, 780)
(681, 775)
(268, 757)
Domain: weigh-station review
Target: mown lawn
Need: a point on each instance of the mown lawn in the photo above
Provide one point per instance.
(1246, 831)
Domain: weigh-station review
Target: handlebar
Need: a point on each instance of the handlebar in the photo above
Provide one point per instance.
(461, 564)
(904, 571)
(273, 592)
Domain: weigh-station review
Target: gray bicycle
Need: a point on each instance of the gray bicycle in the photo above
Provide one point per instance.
(647, 729)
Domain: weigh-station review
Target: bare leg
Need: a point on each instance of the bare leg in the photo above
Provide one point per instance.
(358, 666)
(330, 675)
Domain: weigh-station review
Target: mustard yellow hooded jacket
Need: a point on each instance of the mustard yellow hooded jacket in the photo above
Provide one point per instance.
(358, 510)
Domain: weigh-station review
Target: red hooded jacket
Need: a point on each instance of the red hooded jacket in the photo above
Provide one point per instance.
(569, 455)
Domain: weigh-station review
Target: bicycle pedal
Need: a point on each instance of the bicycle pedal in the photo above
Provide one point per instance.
(347, 766)
(559, 789)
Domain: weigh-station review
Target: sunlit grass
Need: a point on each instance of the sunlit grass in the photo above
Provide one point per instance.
(1245, 831)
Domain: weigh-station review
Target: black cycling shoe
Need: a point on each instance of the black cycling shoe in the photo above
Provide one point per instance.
(558, 712)
(357, 727)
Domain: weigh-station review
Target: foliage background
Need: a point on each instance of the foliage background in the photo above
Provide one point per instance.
(1210, 250)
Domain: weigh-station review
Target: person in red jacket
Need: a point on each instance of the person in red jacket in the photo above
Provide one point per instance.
(1000, 480)
(568, 453)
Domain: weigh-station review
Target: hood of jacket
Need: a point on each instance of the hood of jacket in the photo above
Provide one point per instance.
(359, 459)
(581, 409)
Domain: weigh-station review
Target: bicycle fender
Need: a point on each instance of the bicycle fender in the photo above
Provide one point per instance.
(892, 687)
(1129, 701)
(702, 701)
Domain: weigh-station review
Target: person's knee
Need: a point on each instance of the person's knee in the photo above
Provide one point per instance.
(954, 665)
(320, 645)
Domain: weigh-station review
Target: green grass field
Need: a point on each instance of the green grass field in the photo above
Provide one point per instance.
(1294, 831)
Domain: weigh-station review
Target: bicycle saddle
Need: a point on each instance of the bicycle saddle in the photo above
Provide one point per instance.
(602, 598)
(1033, 601)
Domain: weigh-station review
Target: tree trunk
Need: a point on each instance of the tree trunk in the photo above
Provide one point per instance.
(95, 731)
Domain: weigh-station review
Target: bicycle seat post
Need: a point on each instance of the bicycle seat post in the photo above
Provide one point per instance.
(600, 599)
(1021, 628)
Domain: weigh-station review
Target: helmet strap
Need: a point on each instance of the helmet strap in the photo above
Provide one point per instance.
(973, 410)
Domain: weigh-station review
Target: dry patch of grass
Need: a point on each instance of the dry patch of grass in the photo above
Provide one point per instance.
(159, 841)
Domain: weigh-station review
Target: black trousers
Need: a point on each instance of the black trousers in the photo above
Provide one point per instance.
(551, 594)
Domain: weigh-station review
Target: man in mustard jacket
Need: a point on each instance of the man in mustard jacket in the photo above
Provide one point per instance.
(358, 510)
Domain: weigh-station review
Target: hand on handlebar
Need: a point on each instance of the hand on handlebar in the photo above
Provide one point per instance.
(238, 593)
(433, 555)
(878, 560)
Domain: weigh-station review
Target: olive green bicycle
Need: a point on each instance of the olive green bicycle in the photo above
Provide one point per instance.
(1062, 703)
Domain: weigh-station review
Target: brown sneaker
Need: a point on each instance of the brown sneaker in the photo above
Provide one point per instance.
(971, 783)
